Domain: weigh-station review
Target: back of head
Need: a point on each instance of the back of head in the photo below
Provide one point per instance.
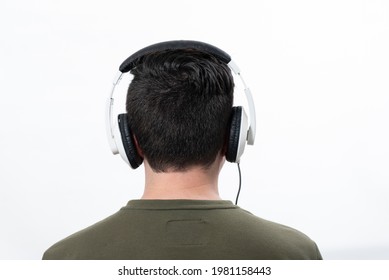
(179, 105)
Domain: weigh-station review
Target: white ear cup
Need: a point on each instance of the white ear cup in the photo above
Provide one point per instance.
(242, 135)
(119, 143)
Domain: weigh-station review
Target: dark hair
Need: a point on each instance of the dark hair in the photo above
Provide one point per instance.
(179, 104)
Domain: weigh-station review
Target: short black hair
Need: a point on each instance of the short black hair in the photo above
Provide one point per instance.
(179, 104)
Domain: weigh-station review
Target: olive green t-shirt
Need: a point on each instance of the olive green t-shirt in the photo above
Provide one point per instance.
(184, 229)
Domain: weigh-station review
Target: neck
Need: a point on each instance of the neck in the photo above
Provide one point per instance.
(195, 183)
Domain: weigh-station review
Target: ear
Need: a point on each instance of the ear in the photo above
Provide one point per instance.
(223, 150)
(138, 148)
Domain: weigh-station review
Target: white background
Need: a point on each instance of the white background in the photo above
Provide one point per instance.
(318, 71)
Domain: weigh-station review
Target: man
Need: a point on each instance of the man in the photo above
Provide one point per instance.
(179, 107)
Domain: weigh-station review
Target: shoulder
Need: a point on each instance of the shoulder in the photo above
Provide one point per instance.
(85, 244)
(272, 240)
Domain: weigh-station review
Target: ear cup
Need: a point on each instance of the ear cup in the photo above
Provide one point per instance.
(128, 143)
(237, 134)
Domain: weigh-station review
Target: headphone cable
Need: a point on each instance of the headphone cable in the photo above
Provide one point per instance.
(240, 184)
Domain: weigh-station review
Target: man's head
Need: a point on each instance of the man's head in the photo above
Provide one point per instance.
(179, 105)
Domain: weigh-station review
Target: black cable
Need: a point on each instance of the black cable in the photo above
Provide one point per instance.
(240, 184)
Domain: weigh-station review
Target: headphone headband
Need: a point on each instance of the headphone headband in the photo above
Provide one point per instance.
(134, 59)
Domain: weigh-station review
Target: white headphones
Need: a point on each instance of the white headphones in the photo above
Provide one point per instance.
(242, 129)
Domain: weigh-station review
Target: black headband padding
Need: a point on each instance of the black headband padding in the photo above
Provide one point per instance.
(133, 60)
